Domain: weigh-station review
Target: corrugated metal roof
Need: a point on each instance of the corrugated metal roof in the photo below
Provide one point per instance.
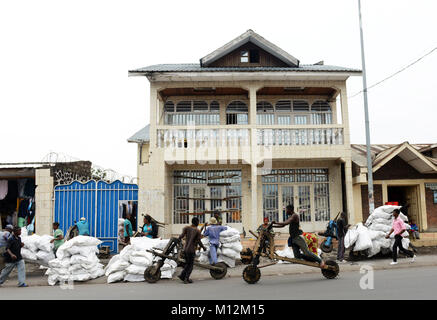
(141, 136)
(195, 67)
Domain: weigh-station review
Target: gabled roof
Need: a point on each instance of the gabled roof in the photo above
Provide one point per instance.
(381, 154)
(141, 136)
(253, 37)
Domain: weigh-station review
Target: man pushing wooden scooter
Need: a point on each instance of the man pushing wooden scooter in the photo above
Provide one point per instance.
(265, 247)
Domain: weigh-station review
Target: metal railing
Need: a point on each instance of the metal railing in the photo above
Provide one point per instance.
(300, 136)
(198, 138)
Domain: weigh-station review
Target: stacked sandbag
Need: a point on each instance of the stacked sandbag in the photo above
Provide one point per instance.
(76, 260)
(229, 248)
(38, 248)
(371, 236)
(121, 230)
(134, 259)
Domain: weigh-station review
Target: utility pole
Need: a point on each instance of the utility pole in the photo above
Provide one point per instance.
(366, 114)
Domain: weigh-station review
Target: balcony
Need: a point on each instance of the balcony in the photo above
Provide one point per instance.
(300, 136)
(202, 138)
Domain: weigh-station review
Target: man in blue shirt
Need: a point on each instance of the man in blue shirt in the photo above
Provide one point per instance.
(83, 227)
(213, 234)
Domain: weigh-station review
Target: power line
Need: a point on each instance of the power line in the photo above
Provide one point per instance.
(394, 74)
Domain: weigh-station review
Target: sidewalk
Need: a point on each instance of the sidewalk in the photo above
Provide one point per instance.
(36, 277)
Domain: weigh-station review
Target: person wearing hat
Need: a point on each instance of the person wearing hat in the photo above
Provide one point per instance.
(83, 227)
(213, 234)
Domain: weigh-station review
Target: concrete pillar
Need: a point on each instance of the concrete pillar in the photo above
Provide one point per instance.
(43, 201)
(345, 116)
(153, 114)
(349, 186)
(152, 191)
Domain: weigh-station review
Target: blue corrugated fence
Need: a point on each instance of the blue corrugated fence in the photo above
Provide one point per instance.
(98, 202)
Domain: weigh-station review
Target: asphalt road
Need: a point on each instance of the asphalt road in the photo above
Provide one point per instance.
(409, 283)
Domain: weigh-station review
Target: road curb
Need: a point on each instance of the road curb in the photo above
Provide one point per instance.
(273, 271)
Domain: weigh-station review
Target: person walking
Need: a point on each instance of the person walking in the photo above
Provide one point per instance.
(58, 237)
(342, 226)
(398, 227)
(192, 239)
(14, 259)
(213, 234)
(296, 239)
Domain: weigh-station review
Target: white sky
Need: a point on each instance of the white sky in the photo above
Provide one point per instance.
(64, 84)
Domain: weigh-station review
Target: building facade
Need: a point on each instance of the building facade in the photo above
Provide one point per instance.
(246, 131)
(404, 173)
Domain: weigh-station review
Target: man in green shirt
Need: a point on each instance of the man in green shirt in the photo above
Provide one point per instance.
(127, 229)
(58, 235)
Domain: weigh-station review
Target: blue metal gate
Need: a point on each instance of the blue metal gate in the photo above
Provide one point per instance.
(98, 202)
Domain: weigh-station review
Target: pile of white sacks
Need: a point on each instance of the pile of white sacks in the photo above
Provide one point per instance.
(37, 248)
(370, 237)
(134, 259)
(76, 261)
(229, 248)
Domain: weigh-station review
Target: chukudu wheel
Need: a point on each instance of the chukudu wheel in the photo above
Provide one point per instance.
(329, 273)
(152, 275)
(251, 274)
(219, 274)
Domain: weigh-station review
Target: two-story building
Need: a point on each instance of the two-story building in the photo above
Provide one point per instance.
(246, 131)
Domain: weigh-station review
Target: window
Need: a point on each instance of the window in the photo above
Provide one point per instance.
(265, 114)
(186, 112)
(193, 193)
(244, 56)
(237, 113)
(254, 56)
(321, 112)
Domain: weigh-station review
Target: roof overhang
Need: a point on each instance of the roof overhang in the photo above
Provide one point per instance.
(411, 156)
(248, 76)
(250, 36)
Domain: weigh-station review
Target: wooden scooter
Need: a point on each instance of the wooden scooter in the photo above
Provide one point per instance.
(173, 251)
(265, 247)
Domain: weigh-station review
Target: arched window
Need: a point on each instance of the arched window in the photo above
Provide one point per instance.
(237, 113)
(264, 113)
(321, 112)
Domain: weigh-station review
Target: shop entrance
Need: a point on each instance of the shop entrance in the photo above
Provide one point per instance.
(408, 198)
(17, 202)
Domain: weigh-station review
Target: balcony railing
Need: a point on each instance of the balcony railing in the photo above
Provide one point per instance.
(198, 138)
(278, 136)
(300, 136)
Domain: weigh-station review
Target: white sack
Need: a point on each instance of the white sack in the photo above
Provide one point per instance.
(134, 277)
(134, 269)
(228, 261)
(28, 254)
(229, 232)
(363, 242)
(45, 256)
(350, 237)
(236, 246)
(233, 238)
(116, 276)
